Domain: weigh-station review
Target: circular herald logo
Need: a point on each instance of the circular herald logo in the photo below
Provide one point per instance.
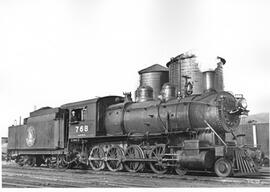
(31, 137)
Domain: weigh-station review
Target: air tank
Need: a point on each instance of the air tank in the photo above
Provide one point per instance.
(154, 76)
(185, 65)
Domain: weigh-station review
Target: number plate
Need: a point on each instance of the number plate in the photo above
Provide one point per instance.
(76, 131)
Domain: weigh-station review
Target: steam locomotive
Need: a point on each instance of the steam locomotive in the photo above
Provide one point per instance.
(177, 122)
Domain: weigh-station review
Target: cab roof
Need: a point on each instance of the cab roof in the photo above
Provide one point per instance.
(85, 102)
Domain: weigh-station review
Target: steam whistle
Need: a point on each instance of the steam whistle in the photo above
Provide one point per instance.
(188, 85)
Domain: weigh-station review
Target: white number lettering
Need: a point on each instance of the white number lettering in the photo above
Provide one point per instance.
(81, 128)
(86, 128)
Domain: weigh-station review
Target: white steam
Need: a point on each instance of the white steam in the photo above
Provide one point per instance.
(206, 61)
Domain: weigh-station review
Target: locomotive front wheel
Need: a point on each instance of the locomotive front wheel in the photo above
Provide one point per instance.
(223, 168)
(114, 158)
(134, 152)
(158, 153)
(96, 158)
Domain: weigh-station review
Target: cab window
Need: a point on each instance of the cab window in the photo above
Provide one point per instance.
(77, 115)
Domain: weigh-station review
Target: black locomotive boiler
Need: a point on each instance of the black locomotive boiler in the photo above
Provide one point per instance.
(177, 122)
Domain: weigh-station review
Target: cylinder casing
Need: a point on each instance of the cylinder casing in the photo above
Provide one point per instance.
(202, 160)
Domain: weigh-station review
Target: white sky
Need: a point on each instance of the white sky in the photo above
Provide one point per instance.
(55, 52)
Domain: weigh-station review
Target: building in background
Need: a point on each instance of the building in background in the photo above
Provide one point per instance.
(254, 131)
(4, 143)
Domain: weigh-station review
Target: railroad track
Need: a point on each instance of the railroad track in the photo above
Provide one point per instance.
(78, 181)
(194, 176)
(17, 185)
(75, 179)
(46, 177)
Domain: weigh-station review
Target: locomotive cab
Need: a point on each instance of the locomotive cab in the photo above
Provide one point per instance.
(86, 117)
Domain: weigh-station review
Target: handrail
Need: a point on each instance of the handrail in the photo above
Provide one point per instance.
(215, 132)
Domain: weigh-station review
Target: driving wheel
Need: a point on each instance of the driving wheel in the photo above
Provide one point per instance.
(157, 153)
(96, 158)
(114, 158)
(134, 152)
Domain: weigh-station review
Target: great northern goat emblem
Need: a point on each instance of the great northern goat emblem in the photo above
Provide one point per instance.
(30, 139)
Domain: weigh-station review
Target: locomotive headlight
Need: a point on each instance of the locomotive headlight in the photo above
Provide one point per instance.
(242, 103)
